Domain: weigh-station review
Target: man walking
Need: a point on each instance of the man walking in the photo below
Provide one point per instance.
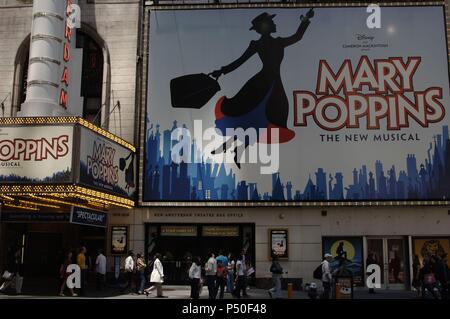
(100, 269)
(277, 272)
(81, 262)
(129, 271)
(211, 272)
(326, 276)
(244, 270)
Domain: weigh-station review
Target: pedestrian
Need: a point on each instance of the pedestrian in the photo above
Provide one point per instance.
(100, 270)
(129, 271)
(239, 277)
(157, 277)
(442, 275)
(140, 267)
(371, 260)
(63, 274)
(244, 270)
(211, 273)
(13, 271)
(230, 276)
(326, 276)
(221, 277)
(428, 277)
(81, 262)
(195, 274)
(277, 272)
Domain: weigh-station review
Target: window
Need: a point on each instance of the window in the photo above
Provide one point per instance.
(91, 77)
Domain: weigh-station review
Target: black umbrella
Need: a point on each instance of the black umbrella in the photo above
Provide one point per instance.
(193, 90)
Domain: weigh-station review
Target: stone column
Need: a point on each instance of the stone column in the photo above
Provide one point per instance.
(46, 59)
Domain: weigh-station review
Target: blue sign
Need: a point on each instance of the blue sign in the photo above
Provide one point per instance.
(88, 217)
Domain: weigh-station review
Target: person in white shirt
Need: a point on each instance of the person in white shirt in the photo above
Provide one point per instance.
(129, 270)
(211, 271)
(326, 276)
(195, 274)
(240, 277)
(157, 277)
(100, 269)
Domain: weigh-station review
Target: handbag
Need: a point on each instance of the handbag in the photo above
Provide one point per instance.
(193, 90)
(7, 275)
(429, 279)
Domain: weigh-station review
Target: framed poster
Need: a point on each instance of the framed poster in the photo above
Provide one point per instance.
(343, 288)
(346, 251)
(119, 240)
(279, 242)
(423, 247)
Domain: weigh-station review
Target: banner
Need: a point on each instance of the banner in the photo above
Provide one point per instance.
(105, 165)
(36, 154)
(272, 104)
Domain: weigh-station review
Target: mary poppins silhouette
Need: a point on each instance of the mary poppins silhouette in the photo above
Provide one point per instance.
(262, 101)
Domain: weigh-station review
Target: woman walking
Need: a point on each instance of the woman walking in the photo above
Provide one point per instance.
(195, 273)
(156, 277)
(63, 274)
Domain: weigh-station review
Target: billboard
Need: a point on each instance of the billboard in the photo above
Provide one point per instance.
(106, 165)
(348, 252)
(291, 104)
(37, 154)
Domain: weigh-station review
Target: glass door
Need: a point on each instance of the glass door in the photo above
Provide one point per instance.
(390, 255)
(395, 248)
(376, 247)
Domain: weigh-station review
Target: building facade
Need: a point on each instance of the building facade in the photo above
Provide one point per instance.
(118, 47)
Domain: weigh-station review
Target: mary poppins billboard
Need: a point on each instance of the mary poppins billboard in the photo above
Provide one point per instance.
(294, 104)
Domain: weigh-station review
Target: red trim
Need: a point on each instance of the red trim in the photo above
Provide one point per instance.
(218, 109)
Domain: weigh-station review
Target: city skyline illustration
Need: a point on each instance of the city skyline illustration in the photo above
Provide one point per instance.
(206, 180)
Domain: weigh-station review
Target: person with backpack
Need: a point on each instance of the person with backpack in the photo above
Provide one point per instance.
(277, 272)
(326, 276)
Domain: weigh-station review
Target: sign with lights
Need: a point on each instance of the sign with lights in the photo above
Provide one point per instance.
(106, 165)
(38, 154)
(36, 161)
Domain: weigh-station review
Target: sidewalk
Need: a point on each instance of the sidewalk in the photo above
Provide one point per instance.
(182, 292)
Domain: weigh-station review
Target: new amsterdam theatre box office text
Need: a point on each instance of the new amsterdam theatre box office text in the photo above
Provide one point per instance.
(356, 121)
